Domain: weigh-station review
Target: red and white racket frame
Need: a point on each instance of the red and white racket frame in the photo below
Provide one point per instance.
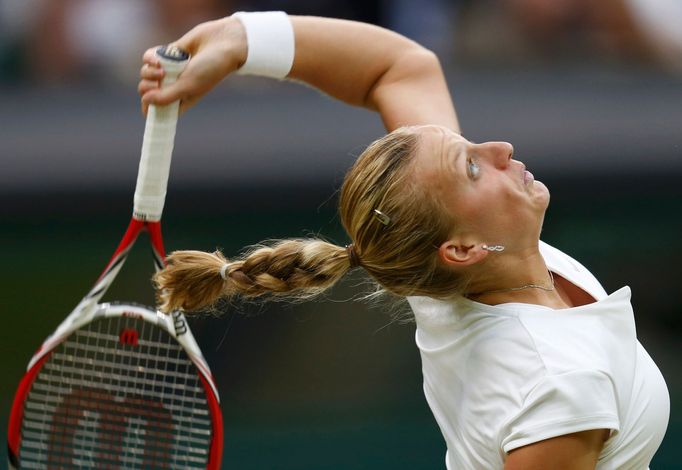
(150, 193)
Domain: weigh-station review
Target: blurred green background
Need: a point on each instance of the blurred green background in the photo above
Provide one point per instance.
(591, 104)
(333, 383)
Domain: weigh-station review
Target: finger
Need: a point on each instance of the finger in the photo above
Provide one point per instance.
(169, 94)
(151, 72)
(150, 57)
(155, 97)
(146, 85)
(150, 98)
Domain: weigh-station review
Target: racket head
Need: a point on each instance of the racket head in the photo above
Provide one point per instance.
(127, 387)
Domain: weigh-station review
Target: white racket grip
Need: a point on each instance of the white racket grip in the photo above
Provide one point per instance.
(157, 143)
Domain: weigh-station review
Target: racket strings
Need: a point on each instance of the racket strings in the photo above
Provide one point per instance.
(118, 393)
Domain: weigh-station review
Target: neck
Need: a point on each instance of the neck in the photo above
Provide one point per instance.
(515, 277)
(550, 299)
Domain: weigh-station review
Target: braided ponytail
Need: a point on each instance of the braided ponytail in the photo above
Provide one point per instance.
(295, 269)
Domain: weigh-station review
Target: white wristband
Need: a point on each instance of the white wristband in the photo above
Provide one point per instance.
(270, 39)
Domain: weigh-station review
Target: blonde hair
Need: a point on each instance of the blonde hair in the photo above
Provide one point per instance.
(398, 246)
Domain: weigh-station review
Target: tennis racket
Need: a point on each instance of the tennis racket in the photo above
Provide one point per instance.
(120, 385)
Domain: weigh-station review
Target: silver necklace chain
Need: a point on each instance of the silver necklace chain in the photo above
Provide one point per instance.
(514, 289)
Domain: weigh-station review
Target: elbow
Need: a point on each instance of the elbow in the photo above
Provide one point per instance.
(414, 65)
(421, 62)
(424, 56)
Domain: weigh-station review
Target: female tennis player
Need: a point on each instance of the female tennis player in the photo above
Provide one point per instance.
(528, 363)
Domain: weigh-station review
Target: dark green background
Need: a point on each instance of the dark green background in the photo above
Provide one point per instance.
(333, 383)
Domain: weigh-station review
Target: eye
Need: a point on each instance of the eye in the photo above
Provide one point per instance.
(473, 168)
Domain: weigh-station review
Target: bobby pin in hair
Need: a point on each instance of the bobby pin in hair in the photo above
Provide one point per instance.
(381, 217)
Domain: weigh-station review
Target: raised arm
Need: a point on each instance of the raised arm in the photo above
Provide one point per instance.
(357, 63)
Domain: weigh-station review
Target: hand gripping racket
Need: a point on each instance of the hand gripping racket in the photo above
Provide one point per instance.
(120, 385)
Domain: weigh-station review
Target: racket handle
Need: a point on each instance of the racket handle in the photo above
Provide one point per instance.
(157, 143)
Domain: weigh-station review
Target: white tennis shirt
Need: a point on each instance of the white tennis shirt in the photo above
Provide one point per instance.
(504, 376)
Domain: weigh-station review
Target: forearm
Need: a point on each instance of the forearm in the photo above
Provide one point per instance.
(368, 66)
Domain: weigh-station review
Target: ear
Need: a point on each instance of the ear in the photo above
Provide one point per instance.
(455, 254)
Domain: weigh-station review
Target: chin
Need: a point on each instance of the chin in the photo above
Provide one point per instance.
(541, 194)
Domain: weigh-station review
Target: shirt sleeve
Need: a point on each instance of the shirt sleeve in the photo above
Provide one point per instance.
(563, 404)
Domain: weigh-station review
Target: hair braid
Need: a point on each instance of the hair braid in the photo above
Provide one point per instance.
(296, 268)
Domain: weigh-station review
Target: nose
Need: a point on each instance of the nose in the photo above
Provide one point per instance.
(500, 153)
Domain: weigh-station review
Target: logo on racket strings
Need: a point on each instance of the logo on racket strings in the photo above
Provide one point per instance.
(76, 410)
(128, 336)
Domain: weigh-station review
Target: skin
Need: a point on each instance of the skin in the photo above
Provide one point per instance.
(493, 201)
(404, 83)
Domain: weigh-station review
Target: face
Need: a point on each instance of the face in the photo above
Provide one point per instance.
(491, 196)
